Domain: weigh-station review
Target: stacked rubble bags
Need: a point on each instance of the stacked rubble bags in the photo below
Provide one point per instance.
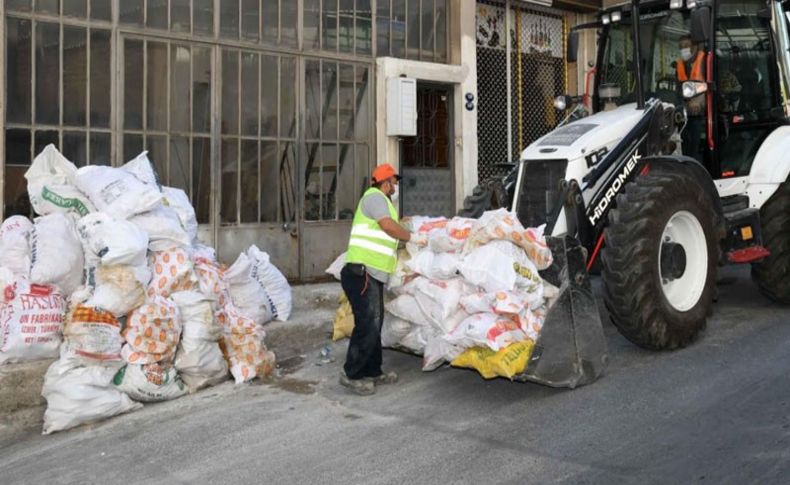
(110, 278)
(473, 297)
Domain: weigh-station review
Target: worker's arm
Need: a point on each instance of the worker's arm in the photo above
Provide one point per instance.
(395, 230)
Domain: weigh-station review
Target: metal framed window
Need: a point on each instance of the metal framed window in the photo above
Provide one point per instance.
(341, 26)
(412, 29)
(58, 82)
(258, 137)
(167, 111)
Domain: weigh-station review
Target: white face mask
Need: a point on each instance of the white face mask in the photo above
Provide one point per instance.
(685, 53)
(394, 196)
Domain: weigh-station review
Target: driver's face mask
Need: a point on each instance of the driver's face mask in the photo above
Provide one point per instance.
(685, 53)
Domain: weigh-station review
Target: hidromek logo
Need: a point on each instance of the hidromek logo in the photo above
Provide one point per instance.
(618, 183)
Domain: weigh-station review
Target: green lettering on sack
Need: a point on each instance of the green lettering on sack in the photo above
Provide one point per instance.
(64, 202)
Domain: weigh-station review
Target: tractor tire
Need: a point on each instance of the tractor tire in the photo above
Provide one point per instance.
(658, 305)
(772, 275)
(489, 195)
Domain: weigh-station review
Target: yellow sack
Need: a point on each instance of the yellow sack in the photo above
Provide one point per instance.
(344, 319)
(508, 362)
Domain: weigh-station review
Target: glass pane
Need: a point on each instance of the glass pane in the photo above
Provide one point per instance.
(361, 99)
(288, 23)
(288, 175)
(201, 90)
(18, 73)
(271, 20)
(75, 147)
(75, 8)
(328, 180)
(180, 60)
(329, 25)
(17, 147)
(100, 78)
(364, 27)
(398, 27)
(347, 102)
(101, 10)
(413, 30)
(363, 170)
(133, 84)
(329, 101)
(346, 198)
(382, 28)
(427, 30)
(100, 148)
(156, 94)
(229, 19)
(132, 146)
(203, 16)
(250, 18)
(230, 92)
(269, 176)
(312, 16)
(131, 12)
(269, 95)
(179, 16)
(229, 179)
(21, 5)
(201, 178)
(179, 163)
(48, 6)
(157, 14)
(313, 99)
(157, 153)
(44, 138)
(287, 97)
(441, 30)
(249, 93)
(249, 181)
(312, 191)
(75, 76)
(47, 73)
(346, 26)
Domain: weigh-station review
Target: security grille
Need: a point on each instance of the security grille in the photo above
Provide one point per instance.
(537, 74)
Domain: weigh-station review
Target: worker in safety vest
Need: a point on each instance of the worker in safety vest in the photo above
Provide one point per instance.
(371, 258)
(691, 67)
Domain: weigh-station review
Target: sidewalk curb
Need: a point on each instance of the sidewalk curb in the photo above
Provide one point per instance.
(309, 327)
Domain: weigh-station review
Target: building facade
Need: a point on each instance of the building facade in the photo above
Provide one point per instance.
(270, 114)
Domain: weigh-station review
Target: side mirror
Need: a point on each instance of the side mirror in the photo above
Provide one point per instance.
(573, 46)
(694, 88)
(700, 24)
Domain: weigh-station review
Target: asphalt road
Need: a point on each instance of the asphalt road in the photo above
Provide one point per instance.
(717, 412)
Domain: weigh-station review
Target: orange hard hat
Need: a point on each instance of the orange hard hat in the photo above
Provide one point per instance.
(383, 172)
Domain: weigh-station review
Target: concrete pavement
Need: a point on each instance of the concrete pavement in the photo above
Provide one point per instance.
(717, 412)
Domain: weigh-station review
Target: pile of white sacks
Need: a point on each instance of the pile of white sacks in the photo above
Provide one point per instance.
(475, 285)
(112, 280)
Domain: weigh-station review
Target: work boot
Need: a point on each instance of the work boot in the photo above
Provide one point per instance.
(386, 378)
(360, 387)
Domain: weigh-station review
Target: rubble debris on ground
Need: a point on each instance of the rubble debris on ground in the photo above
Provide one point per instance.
(472, 298)
(111, 280)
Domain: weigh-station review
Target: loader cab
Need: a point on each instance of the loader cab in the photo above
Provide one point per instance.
(743, 102)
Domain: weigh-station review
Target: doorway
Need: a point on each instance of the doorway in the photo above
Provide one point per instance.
(428, 185)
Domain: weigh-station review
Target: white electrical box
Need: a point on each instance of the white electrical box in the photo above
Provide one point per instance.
(401, 106)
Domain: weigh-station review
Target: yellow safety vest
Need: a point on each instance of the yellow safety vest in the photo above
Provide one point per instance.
(369, 244)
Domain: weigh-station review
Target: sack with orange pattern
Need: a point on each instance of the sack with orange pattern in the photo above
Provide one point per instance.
(172, 271)
(503, 225)
(91, 336)
(243, 347)
(152, 332)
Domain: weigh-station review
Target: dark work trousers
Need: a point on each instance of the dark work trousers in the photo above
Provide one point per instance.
(692, 137)
(366, 296)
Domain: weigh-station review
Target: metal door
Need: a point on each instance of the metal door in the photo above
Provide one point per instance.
(428, 185)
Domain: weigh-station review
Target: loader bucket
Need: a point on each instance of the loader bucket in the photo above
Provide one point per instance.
(571, 350)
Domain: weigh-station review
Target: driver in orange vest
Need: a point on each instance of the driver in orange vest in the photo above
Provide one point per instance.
(691, 67)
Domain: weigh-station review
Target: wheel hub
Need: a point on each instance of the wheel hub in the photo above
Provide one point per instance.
(673, 261)
(683, 261)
